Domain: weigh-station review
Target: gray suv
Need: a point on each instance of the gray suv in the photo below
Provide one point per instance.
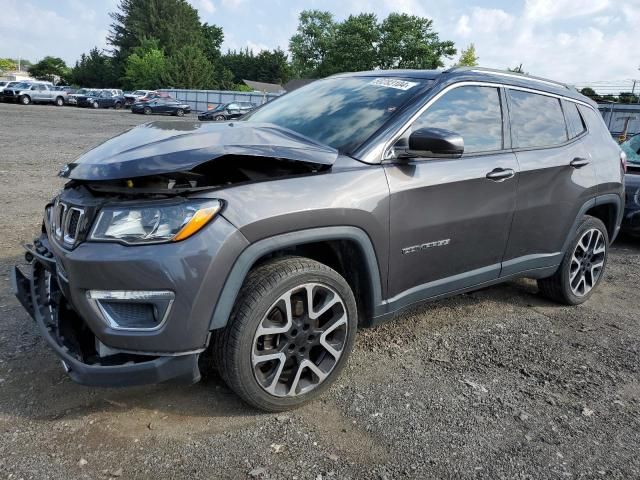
(258, 247)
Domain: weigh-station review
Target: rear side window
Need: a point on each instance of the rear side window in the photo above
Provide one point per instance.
(536, 120)
(574, 120)
(473, 112)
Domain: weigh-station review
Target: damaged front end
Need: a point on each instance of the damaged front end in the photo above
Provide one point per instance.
(124, 277)
(86, 360)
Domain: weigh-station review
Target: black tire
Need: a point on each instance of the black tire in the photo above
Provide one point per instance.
(147, 111)
(25, 99)
(59, 102)
(219, 118)
(117, 106)
(180, 113)
(558, 286)
(95, 105)
(233, 346)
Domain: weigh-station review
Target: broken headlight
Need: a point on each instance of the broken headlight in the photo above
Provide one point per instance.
(153, 223)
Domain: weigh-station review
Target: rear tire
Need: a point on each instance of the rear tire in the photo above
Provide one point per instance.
(582, 267)
(219, 118)
(147, 111)
(180, 112)
(310, 349)
(117, 106)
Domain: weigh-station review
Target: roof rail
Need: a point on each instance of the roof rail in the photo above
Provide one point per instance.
(493, 71)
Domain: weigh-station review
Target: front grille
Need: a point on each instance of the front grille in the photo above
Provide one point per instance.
(66, 223)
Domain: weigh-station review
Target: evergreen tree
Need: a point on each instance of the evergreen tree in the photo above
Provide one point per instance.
(468, 57)
(94, 70)
(190, 68)
(146, 67)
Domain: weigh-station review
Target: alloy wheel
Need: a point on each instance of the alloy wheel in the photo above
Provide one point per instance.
(299, 341)
(587, 262)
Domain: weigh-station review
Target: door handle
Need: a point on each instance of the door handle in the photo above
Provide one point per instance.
(579, 162)
(501, 174)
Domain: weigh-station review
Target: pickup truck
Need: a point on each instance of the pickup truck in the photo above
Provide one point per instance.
(35, 93)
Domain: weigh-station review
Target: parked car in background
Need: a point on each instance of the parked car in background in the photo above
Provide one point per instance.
(227, 111)
(87, 100)
(162, 105)
(263, 245)
(37, 92)
(12, 91)
(631, 221)
(72, 98)
(3, 84)
(108, 99)
(131, 98)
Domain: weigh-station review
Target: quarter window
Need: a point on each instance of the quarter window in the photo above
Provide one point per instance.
(474, 113)
(574, 120)
(536, 120)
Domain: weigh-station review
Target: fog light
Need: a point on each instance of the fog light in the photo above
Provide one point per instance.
(132, 309)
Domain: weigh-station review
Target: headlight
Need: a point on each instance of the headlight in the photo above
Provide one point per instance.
(153, 223)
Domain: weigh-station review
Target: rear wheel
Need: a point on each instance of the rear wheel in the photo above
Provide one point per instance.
(59, 102)
(147, 110)
(180, 112)
(583, 265)
(117, 106)
(219, 118)
(289, 335)
(25, 99)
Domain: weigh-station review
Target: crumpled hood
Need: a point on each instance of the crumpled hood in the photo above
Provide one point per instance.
(165, 147)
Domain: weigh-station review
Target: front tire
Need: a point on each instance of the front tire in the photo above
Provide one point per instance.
(117, 106)
(25, 100)
(147, 110)
(180, 112)
(289, 335)
(582, 267)
(95, 105)
(219, 118)
(59, 102)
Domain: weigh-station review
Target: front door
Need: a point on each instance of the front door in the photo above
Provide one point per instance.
(450, 217)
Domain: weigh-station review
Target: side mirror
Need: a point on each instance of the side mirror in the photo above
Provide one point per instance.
(434, 142)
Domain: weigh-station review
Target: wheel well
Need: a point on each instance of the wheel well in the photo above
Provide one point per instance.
(607, 213)
(343, 256)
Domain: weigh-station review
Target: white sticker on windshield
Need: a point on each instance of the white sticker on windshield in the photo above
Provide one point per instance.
(393, 83)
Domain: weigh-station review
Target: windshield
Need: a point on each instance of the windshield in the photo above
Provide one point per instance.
(22, 85)
(340, 112)
(632, 148)
(2, 84)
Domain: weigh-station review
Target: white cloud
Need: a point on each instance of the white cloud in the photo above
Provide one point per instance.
(484, 20)
(232, 4)
(204, 6)
(543, 10)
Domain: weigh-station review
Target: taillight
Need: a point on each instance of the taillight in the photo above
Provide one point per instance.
(623, 161)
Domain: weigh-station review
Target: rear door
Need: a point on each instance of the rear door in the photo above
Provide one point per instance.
(556, 177)
(450, 217)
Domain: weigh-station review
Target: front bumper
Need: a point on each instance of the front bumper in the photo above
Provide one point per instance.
(50, 316)
(101, 355)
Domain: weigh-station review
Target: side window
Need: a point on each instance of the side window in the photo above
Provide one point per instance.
(473, 112)
(574, 120)
(595, 122)
(536, 120)
(233, 106)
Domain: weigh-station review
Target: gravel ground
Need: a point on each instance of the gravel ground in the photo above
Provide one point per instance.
(499, 383)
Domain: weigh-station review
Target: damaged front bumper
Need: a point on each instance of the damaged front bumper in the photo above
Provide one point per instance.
(42, 294)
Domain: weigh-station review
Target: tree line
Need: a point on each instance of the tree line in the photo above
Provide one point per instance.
(156, 43)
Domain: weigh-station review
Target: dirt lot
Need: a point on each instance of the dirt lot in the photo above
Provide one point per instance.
(495, 384)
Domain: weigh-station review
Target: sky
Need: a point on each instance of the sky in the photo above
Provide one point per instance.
(575, 41)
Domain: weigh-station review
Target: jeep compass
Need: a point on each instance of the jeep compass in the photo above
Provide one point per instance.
(261, 245)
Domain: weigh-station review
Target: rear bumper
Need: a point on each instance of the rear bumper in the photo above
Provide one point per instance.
(178, 369)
